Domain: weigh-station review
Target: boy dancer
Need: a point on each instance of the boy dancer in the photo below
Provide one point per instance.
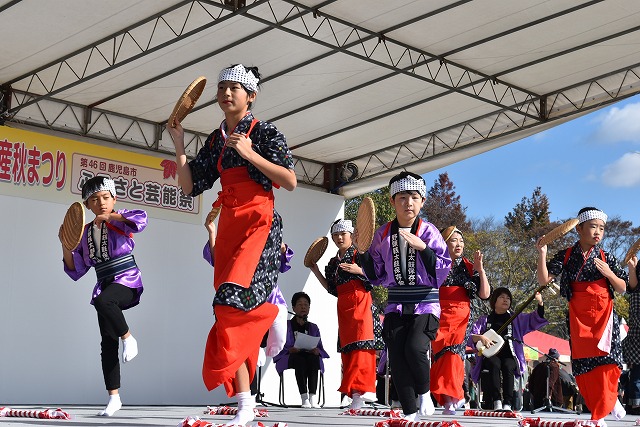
(589, 276)
(107, 243)
(409, 257)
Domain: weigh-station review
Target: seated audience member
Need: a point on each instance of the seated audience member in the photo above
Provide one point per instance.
(305, 362)
(538, 381)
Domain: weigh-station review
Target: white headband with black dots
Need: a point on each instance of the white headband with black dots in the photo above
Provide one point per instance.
(592, 214)
(241, 75)
(107, 184)
(408, 183)
(344, 225)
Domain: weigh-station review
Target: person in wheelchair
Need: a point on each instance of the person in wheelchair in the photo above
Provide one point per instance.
(509, 363)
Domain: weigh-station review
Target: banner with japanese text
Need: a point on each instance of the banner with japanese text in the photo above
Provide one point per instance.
(50, 168)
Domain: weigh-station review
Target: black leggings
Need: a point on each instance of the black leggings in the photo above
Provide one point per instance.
(408, 338)
(306, 366)
(113, 325)
(502, 363)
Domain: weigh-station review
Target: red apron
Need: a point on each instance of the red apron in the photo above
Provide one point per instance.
(590, 308)
(447, 373)
(355, 323)
(355, 319)
(243, 228)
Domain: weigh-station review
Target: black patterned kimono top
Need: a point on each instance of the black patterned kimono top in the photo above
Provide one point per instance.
(270, 144)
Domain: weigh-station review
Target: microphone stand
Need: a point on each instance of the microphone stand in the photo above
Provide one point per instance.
(548, 405)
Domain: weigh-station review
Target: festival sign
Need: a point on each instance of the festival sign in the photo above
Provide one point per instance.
(44, 167)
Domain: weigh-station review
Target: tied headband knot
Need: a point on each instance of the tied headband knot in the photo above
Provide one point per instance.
(342, 225)
(239, 74)
(592, 214)
(409, 183)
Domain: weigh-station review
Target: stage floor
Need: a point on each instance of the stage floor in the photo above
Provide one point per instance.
(171, 416)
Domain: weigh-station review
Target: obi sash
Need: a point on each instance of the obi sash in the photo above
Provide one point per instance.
(454, 317)
(243, 227)
(110, 268)
(355, 319)
(412, 294)
(591, 319)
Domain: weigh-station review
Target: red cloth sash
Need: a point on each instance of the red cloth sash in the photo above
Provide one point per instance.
(355, 319)
(243, 227)
(447, 373)
(590, 307)
(233, 340)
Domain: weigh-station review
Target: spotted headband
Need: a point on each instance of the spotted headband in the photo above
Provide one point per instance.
(408, 183)
(592, 214)
(98, 183)
(341, 226)
(239, 74)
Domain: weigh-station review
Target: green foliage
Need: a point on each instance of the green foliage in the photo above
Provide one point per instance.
(384, 209)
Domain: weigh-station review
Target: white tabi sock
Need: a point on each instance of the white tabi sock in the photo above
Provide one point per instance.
(356, 401)
(426, 404)
(245, 414)
(114, 404)
(129, 349)
(412, 417)
(618, 411)
(277, 333)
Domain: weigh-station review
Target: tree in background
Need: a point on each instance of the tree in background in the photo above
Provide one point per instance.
(529, 218)
(442, 207)
(381, 200)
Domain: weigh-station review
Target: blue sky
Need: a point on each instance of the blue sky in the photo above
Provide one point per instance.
(590, 161)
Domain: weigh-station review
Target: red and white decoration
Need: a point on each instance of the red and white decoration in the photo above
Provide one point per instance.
(390, 413)
(47, 414)
(394, 422)
(537, 422)
(227, 410)
(497, 414)
(197, 422)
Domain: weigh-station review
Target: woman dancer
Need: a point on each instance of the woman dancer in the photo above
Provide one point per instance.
(249, 157)
(464, 282)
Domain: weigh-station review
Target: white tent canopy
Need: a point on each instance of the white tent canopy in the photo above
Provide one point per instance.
(380, 85)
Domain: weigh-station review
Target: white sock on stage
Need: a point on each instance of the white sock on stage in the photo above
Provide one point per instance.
(277, 333)
(412, 417)
(129, 349)
(426, 404)
(618, 411)
(245, 414)
(114, 404)
(356, 401)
